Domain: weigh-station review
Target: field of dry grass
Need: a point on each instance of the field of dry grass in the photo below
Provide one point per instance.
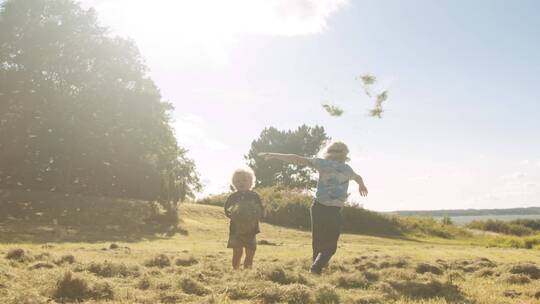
(193, 267)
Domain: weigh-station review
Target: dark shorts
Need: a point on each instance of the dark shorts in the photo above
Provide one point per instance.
(241, 241)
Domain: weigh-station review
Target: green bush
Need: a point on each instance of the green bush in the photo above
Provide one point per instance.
(530, 242)
(290, 208)
(285, 207)
(359, 220)
(517, 227)
(529, 223)
(428, 226)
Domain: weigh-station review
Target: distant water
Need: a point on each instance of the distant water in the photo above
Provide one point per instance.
(464, 219)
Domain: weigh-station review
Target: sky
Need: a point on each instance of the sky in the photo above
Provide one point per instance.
(462, 121)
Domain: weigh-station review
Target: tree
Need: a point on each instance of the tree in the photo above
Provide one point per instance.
(78, 112)
(305, 140)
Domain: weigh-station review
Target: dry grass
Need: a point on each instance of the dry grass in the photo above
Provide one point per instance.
(195, 268)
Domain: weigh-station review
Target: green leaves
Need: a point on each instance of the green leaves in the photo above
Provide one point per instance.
(333, 110)
(368, 81)
(72, 93)
(305, 140)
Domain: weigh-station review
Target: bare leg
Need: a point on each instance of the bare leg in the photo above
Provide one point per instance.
(248, 261)
(237, 256)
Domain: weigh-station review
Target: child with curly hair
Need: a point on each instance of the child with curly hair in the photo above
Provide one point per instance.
(244, 208)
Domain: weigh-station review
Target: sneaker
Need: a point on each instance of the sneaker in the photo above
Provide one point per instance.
(315, 271)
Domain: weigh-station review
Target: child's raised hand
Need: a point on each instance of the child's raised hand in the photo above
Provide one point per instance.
(363, 190)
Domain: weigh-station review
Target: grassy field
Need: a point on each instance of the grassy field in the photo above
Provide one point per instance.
(194, 267)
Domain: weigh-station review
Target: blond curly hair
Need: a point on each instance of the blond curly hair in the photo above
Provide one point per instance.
(241, 176)
(337, 151)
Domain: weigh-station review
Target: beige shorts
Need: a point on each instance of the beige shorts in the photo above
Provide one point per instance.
(241, 241)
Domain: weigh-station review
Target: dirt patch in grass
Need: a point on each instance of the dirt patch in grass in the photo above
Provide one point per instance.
(42, 256)
(65, 259)
(102, 291)
(400, 262)
(266, 243)
(186, 261)
(425, 289)
(472, 265)
(366, 265)
(170, 298)
(164, 286)
(428, 268)
(270, 294)
(518, 279)
(369, 299)
(108, 269)
(511, 293)
(19, 255)
(70, 288)
(528, 269)
(144, 283)
(484, 273)
(326, 294)
(41, 265)
(190, 286)
(296, 294)
(282, 276)
(159, 260)
(241, 291)
(353, 280)
(400, 274)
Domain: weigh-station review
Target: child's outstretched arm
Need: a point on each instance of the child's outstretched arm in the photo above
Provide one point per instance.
(288, 158)
(361, 186)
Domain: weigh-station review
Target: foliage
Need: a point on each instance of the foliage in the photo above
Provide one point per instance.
(518, 227)
(306, 141)
(290, 208)
(333, 110)
(367, 82)
(428, 226)
(284, 207)
(92, 217)
(529, 242)
(78, 112)
(446, 220)
(529, 223)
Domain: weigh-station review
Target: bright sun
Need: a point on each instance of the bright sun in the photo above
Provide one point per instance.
(209, 28)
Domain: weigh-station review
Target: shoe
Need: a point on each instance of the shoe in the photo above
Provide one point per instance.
(315, 271)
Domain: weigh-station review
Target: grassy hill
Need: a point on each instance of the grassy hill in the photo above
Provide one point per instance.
(194, 267)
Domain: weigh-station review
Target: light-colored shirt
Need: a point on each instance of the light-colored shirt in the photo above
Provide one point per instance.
(333, 181)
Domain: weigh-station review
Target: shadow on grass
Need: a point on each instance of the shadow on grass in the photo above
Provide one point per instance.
(46, 217)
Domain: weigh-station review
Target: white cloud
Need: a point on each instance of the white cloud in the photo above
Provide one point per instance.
(514, 176)
(525, 162)
(190, 132)
(189, 29)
